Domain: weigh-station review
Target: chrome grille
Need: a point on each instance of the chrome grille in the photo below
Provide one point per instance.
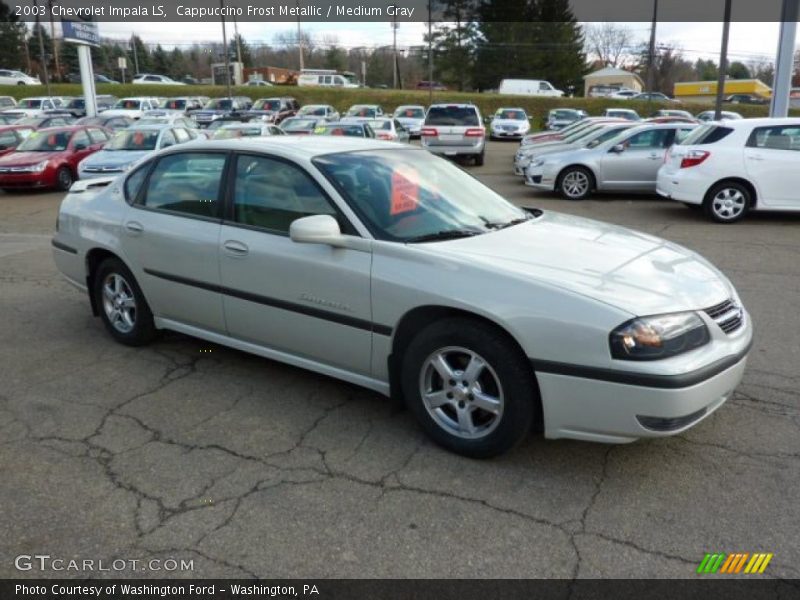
(728, 315)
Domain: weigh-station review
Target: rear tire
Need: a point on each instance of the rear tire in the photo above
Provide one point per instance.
(727, 202)
(122, 305)
(479, 160)
(575, 183)
(470, 387)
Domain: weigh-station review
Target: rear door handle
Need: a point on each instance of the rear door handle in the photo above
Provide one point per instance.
(235, 248)
(134, 227)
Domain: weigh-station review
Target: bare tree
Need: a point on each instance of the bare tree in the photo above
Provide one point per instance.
(609, 43)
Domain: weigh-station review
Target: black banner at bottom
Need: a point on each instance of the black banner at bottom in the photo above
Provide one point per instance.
(403, 589)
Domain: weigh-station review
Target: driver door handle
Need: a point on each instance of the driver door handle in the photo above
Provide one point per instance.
(235, 248)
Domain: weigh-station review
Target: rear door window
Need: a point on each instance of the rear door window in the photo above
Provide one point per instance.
(186, 183)
(781, 137)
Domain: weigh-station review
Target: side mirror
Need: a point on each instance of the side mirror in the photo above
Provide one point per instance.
(80, 146)
(316, 229)
(618, 149)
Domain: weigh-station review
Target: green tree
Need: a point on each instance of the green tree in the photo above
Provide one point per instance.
(35, 50)
(12, 39)
(138, 52)
(529, 39)
(706, 70)
(244, 48)
(454, 43)
(161, 61)
(738, 70)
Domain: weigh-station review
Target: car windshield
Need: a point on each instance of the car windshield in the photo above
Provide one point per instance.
(30, 103)
(267, 105)
(409, 195)
(91, 121)
(236, 132)
(77, 103)
(511, 115)
(362, 111)
(565, 114)
(128, 104)
(605, 136)
(44, 141)
(381, 124)
(453, 116)
(409, 113)
(582, 133)
(32, 121)
(298, 124)
(175, 104)
(313, 110)
(219, 104)
(340, 129)
(622, 114)
(132, 139)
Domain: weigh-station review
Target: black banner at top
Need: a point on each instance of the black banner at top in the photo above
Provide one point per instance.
(391, 10)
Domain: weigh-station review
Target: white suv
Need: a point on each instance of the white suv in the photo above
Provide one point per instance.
(732, 167)
(454, 130)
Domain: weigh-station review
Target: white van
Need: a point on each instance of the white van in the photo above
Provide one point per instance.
(528, 87)
(327, 78)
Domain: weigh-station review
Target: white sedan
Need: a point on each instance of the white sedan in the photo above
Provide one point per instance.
(10, 77)
(381, 265)
(729, 168)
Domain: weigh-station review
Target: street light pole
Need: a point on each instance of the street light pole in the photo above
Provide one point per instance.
(723, 61)
(42, 58)
(430, 55)
(225, 52)
(299, 37)
(784, 66)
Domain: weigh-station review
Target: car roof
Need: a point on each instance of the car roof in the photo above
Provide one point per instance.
(299, 147)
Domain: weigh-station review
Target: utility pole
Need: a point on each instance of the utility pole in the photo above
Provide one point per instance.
(723, 61)
(42, 57)
(430, 55)
(238, 43)
(299, 36)
(225, 52)
(651, 58)
(394, 52)
(53, 40)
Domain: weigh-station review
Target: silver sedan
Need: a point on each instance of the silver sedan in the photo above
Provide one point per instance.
(628, 162)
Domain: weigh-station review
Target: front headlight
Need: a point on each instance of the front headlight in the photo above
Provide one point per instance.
(658, 336)
(537, 162)
(40, 167)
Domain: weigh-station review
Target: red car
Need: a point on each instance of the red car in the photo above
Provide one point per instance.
(12, 136)
(49, 158)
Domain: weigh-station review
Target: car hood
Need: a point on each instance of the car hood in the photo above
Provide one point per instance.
(23, 159)
(113, 158)
(632, 271)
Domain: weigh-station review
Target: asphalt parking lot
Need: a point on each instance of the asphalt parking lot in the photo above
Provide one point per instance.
(185, 450)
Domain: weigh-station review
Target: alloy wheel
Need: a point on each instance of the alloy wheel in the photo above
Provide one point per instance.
(575, 184)
(728, 204)
(461, 392)
(119, 303)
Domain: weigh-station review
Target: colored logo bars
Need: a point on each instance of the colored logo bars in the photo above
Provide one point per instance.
(734, 563)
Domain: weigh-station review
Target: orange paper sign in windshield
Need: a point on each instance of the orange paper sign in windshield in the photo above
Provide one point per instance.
(405, 191)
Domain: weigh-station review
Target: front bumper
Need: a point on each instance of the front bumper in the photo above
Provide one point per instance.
(605, 407)
(27, 180)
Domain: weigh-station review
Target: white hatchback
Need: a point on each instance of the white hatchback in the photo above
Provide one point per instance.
(729, 168)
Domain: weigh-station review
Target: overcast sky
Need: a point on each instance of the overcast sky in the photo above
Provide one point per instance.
(748, 41)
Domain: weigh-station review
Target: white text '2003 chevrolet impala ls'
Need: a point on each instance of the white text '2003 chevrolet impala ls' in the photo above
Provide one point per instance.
(390, 268)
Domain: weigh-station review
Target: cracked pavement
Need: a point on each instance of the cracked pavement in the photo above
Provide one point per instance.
(251, 468)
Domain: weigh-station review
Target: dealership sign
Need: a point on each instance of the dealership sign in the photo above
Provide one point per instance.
(80, 32)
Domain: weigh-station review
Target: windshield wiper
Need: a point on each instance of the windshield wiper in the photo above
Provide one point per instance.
(450, 234)
(510, 223)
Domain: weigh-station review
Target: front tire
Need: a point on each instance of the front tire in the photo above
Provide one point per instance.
(575, 183)
(122, 305)
(470, 387)
(727, 202)
(64, 179)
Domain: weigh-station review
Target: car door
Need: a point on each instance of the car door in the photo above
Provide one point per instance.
(636, 166)
(307, 300)
(772, 161)
(80, 146)
(172, 233)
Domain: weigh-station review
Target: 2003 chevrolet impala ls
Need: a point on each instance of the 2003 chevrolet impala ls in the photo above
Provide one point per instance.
(390, 268)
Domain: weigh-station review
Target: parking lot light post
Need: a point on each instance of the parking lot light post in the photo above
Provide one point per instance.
(784, 65)
(723, 61)
(225, 51)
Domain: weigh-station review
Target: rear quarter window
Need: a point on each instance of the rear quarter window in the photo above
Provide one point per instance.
(706, 134)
